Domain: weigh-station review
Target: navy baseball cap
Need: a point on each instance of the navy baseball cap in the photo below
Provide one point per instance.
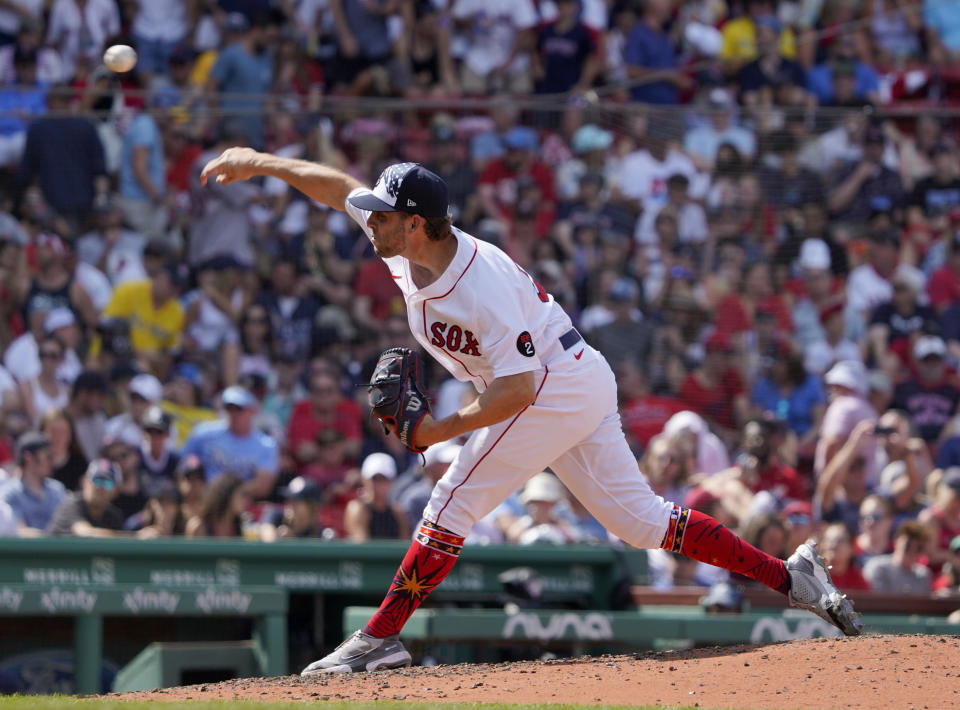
(406, 187)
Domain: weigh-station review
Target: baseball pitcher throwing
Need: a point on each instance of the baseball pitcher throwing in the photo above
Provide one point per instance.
(545, 399)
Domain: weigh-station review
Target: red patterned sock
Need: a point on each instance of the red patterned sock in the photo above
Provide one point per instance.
(702, 538)
(428, 561)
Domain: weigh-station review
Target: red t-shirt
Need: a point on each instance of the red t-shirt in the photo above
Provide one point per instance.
(375, 281)
(733, 318)
(714, 404)
(943, 287)
(504, 181)
(783, 481)
(852, 579)
(304, 425)
(644, 417)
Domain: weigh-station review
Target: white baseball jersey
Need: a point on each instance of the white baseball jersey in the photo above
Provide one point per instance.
(485, 317)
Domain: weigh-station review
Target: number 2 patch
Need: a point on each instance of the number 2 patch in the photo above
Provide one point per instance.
(525, 344)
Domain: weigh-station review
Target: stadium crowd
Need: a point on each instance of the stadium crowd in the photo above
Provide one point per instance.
(773, 268)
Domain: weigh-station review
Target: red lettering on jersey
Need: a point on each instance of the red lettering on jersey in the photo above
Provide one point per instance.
(437, 329)
(453, 338)
(470, 345)
(456, 339)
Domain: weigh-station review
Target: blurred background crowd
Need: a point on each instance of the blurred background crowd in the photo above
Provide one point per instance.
(751, 208)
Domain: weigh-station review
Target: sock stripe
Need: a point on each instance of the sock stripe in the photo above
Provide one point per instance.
(453, 551)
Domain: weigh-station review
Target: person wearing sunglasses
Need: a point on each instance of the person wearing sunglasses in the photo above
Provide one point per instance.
(46, 391)
(90, 512)
(903, 571)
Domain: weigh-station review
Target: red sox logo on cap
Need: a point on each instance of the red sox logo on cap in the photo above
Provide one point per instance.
(405, 187)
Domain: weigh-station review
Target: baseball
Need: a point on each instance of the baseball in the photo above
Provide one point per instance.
(120, 58)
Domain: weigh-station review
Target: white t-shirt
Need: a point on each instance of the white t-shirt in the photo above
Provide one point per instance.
(691, 224)
(644, 178)
(494, 25)
(866, 289)
(484, 317)
(73, 34)
(22, 360)
(161, 20)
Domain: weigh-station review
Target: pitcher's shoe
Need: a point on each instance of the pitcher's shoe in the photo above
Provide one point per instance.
(361, 652)
(812, 589)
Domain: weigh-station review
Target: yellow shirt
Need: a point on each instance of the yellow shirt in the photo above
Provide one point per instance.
(151, 329)
(185, 418)
(740, 42)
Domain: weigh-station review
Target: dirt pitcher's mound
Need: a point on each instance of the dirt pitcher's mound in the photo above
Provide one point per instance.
(866, 672)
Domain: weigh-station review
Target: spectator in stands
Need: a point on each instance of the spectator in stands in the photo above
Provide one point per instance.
(902, 571)
(643, 410)
(22, 357)
(79, 31)
(158, 27)
(371, 516)
(792, 395)
(932, 394)
(499, 36)
(33, 495)
(90, 512)
(894, 323)
(771, 79)
(499, 181)
(898, 441)
(325, 408)
(943, 288)
(232, 446)
(855, 185)
(653, 66)
(870, 284)
(709, 455)
(715, 390)
(69, 463)
(627, 335)
(876, 526)
(542, 523)
(942, 23)
(834, 346)
(23, 98)
(155, 314)
(942, 517)
(567, 57)
(291, 311)
(143, 392)
(797, 517)
(86, 410)
(837, 549)
(45, 391)
(939, 193)
(141, 177)
(765, 532)
(63, 154)
(158, 459)
(54, 286)
(949, 580)
(740, 35)
(298, 517)
(702, 142)
(847, 389)
(223, 509)
(843, 80)
(241, 77)
(162, 515)
(842, 485)
(191, 480)
(458, 174)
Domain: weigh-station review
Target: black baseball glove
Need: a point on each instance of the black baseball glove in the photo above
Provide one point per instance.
(395, 395)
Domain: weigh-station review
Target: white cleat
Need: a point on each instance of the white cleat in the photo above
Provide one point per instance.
(361, 652)
(812, 589)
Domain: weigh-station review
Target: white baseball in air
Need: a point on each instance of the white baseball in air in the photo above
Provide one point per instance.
(120, 58)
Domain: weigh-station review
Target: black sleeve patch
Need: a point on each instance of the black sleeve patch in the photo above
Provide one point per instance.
(525, 344)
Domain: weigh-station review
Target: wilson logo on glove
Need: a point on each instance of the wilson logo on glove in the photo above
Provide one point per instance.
(395, 395)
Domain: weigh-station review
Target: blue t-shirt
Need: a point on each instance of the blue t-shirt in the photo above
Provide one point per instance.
(653, 50)
(944, 17)
(244, 80)
(143, 132)
(820, 81)
(222, 451)
(32, 511)
(16, 103)
(797, 408)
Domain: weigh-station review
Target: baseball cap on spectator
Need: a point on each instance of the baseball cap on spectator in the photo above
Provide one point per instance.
(850, 374)
(951, 478)
(543, 487)
(378, 464)
(444, 452)
(236, 22)
(301, 488)
(146, 386)
(163, 489)
(814, 254)
(521, 138)
(795, 510)
(90, 381)
(405, 187)
(104, 474)
(623, 290)
(237, 396)
(155, 419)
(720, 98)
(591, 137)
(58, 318)
(30, 442)
(929, 346)
(717, 342)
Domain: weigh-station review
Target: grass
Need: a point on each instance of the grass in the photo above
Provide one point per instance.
(63, 702)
